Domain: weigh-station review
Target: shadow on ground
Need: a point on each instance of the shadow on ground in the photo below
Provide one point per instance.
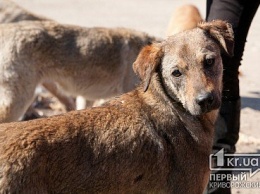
(251, 102)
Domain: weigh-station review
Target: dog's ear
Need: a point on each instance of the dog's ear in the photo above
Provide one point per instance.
(147, 62)
(222, 32)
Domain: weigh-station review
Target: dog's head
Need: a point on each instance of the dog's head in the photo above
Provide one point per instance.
(189, 65)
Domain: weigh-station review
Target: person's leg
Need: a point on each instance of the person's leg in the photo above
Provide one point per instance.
(231, 97)
(240, 15)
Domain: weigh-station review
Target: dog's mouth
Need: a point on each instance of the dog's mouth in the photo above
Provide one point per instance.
(208, 108)
(198, 109)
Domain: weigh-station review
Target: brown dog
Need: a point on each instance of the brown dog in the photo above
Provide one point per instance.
(184, 18)
(155, 139)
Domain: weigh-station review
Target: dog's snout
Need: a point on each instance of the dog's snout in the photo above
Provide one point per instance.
(205, 99)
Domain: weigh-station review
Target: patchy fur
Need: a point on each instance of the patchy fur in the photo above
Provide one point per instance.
(125, 50)
(141, 142)
(221, 32)
(92, 62)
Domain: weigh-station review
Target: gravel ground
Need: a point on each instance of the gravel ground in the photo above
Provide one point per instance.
(152, 16)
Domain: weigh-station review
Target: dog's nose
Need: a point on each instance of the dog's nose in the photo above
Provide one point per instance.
(205, 99)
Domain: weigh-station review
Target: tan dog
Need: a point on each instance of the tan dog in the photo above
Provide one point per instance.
(184, 18)
(91, 62)
(11, 12)
(155, 139)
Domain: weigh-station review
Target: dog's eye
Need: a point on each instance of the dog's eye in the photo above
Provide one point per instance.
(210, 61)
(176, 73)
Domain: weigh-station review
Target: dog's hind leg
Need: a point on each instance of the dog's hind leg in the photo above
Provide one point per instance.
(79, 103)
(68, 101)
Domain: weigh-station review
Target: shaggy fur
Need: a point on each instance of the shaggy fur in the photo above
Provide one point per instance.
(130, 42)
(154, 139)
(92, 62)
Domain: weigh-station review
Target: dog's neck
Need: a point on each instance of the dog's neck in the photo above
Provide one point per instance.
(159, 92)
(158, 86)
(163, 104)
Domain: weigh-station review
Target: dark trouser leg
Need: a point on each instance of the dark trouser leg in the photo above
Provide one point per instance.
(240, 15)
(230, 107)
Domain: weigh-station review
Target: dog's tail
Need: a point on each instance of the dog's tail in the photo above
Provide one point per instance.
(184, 18)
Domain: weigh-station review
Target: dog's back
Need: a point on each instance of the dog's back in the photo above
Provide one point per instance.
(119, 148)
(184, 18)
(71, 55)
